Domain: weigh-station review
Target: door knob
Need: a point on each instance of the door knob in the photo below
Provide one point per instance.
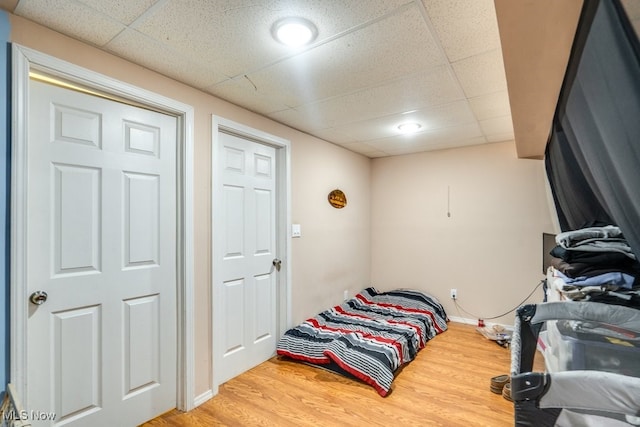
(277, 263)
(38, 297)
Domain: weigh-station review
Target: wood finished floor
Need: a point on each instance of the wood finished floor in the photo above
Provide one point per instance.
(446, 385)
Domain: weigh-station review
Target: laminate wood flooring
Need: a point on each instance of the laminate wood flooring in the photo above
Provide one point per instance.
(446, 385)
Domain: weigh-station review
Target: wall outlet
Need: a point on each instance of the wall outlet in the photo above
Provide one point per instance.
(454, 293)
(346, 294)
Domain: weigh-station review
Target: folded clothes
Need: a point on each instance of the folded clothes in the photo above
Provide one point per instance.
(608, 238)
(577, 269)
(571, 238)
(611, 245)
(595, 258)
(612, 281)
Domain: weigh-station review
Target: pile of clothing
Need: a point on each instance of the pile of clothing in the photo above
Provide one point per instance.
(597, 264)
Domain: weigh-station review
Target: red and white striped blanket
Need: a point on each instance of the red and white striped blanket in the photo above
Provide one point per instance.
(369, 336)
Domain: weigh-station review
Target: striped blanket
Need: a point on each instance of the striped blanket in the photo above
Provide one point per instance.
(369, 336)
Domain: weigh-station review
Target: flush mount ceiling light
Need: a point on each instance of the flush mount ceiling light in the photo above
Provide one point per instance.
(410, 127)
(294, 32)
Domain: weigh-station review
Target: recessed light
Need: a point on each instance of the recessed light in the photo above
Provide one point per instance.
(410, 127)
(294, 32)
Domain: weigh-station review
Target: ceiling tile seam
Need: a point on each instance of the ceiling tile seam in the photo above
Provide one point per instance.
(425, 132)
(390, 138)
(110, 18)
(380, 84)
(139, 20)
(271, 114)
(485, 95)
(368, 149)
(434, 33)
(16, 11)
(495, 49)
(430, 146)
(151, 10)
(329, 39)
(485, 135)
(499, 50)
(418, 110)
(362, 151)
(175, 52)
(484, 52)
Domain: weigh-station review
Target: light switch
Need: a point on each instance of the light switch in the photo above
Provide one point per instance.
(295, 230)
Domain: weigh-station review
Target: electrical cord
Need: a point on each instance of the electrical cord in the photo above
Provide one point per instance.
(459, 307)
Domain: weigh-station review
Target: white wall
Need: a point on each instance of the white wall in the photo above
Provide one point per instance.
(333, 254)
(490, 248)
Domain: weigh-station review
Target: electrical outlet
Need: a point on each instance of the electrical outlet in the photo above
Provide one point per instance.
(454, 293)
(346, 294)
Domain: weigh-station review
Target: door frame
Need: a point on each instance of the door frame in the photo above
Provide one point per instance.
(283, 230)
(25, 60)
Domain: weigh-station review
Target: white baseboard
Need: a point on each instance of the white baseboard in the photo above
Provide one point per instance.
(199, 400)
(464, 320)
(474, 322)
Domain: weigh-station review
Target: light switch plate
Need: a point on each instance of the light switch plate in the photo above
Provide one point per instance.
(295, 230)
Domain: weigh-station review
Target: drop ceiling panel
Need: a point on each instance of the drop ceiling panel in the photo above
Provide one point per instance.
(124, 11)
(497, 126)
(446, 137)
(377, 154)
(228, 36)
(491, 105)
(436, 117)
(402, 150)
(481, 74)
(334, 135)
(386, 50)
(87, 23)
(241, 91)
(235, 35)
(501, 137)
(142, 50)
(359, 147)
(302, 121)
(465, 28)
(433, 87)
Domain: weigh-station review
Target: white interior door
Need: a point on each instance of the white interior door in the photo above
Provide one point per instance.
(246, 279)
(101, 242)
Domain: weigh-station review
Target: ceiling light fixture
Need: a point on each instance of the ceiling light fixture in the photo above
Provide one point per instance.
(294, 32)
(410, 127)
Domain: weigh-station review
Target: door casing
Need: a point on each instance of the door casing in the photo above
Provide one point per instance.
(24, 61)
(283, 209)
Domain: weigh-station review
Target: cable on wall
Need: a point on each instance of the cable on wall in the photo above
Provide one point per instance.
(459, 307)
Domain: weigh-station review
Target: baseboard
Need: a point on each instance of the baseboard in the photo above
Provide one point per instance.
(199, 400)
(474, 322)
(464, 320)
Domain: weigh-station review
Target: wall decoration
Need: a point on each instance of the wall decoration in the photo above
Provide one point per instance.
(337, 199)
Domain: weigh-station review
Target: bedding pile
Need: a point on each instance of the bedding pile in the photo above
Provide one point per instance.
(369, 336)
